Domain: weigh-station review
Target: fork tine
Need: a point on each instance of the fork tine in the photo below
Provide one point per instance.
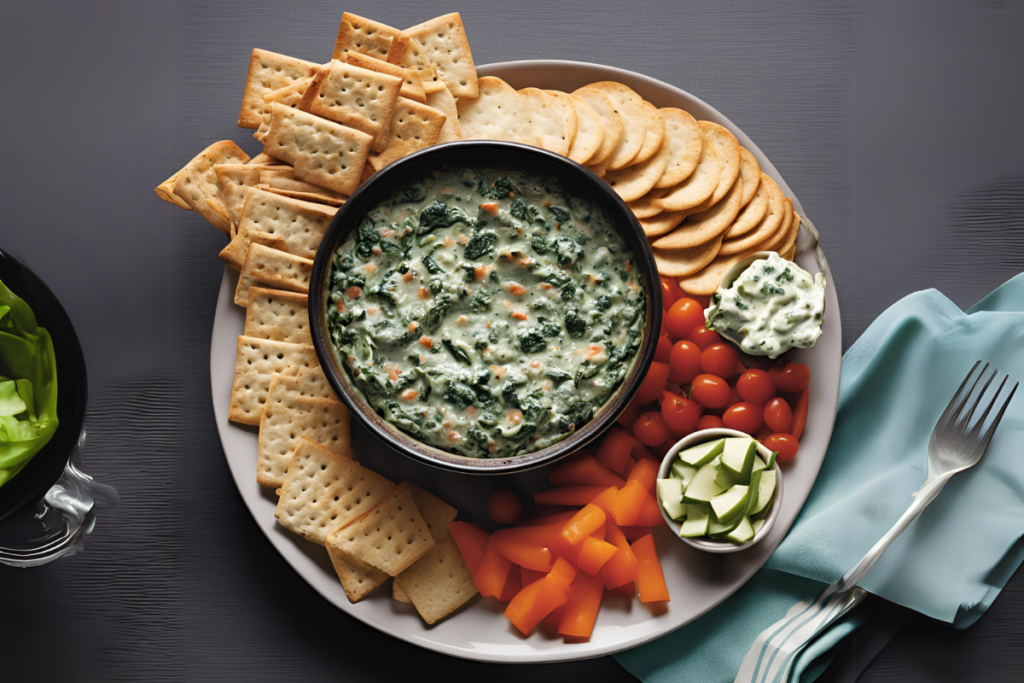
(981, 420)
(965, 421)
(952, 409)
(987, 436)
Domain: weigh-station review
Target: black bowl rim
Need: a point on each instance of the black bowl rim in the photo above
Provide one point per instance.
(405, 443)
(45, 468)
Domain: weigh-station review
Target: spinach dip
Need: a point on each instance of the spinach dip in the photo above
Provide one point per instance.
(485, 312)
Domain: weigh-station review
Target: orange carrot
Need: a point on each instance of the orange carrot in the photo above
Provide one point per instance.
(492, 573)
(583, 523)
(490, 207)
(584, 472)
(540, 598)
(513, 584)
(628, 502)
(595, 555)
(650, 580)
(606, 499)
(472, 543)
(615, 449)
(622, 566)
(562, 573)
(569, 495)
(523, 554)
(584, 601)
(646, 472)
(650, 513)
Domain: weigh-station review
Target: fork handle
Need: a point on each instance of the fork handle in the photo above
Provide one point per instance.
(922, 497)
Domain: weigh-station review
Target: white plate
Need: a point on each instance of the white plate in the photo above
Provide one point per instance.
(697, 581)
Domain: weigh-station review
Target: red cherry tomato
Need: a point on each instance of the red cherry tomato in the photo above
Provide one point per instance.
(669, 294)
(504, 507)
(650, 429)
(790, 377)
(756, 386)
(778, 415)
(786, 444)
(745, 417)
(710, 422)
(683, 316)
(681, 414)
(663, 353)
(703, 337)
(710, 391)
(654, 383)
(685, 360)
(719, 359)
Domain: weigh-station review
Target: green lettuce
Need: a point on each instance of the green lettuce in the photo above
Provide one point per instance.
(28, 385)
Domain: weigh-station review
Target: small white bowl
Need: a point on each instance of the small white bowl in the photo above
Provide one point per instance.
(710, 545)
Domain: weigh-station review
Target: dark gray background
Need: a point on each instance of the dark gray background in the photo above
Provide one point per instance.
(899, 126)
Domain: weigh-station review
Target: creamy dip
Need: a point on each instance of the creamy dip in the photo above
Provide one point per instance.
(773, 306)
(485, 311)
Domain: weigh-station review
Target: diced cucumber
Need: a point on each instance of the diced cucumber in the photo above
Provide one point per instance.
(765, 491)
(703, 487)
(731, 504)
(701, 454)
(683, 472)
(738, 458)
(757, 525)
(696, 524)
(755, 489)
(742, 533)
(718, 529)
(759, 464)
(670, 491)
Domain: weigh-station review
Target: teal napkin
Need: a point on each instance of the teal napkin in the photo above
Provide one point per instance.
(952, 561)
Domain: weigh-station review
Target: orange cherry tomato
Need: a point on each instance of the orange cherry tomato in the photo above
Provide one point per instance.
(745, 417)
(681, 414)
(786, 444)
(668, 293)
(790, 377)
(504, 507)
(756, 386)
(800, 414)
(685, 360)
(703, 337)
(654, 383)
(778, 415)
(663, 352)
(650, 429)
(684, 315)
(710, 422)
(719, 359)
(710, 391)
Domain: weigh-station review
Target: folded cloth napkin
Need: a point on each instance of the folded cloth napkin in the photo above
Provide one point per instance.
(952, 561)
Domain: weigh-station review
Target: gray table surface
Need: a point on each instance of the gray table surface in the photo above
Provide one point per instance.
(897, 124)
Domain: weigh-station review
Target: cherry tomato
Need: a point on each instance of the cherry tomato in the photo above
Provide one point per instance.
(800, 414)
(703, 337)
(756, 386)
(745, 417)
(668, 294)
(650, 429)
(681, 414)
(790, 377)
(778, 415)
(685, 359)
(664, 350)
(683, 316)
(504, 507)
(719, 359)
(710, 391)
(710, 422)
(654, 383)
(786, 444)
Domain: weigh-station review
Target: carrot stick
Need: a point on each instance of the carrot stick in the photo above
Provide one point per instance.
(650, 580)
(595, 555)
(583, 523)
(584, 601)
(472, 543)
(492, 573)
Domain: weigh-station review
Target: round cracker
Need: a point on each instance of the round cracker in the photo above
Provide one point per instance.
(613, 128)
(630, 108)
(662, 223)
(635, 181)
(499, 113)
(780, 240)
(655, 134)
(564, 106)
(699, 186)
(729, 156)
(589, 131)
(547, 122)
(752, 214)
(750, 173)
(705, 281)
(645, 207)
(684, 262)
(685, 144)
(706, 225)
(769, 226)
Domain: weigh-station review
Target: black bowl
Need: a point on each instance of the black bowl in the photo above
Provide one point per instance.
(36, 478)
(580, 181)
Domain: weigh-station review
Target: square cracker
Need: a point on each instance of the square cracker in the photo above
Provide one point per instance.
(233, 180)
(324, 490)
(443, 101)
(390, 537)
(277, 315)
(255, 362)
(165, 191)
(274, 269)
(439, 582)
(412, 85)
(323, 152)
(358, 583)
(297, 225)
(307, 382)
(197, 182)
(290, 96)
(446, 46)
(358, 98)
(436, 513)
(268, 71)
(413, 127)
(289, 415)
(398, 594)
(369, 37)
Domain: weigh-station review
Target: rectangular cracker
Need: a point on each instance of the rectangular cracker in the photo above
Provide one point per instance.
(196, 184)
(274, 269)
(439, 583)
(444, 102)
(398, 594)
(358, 98)
(413, 127)
(416, 58)
(369, 37)
(307, 382)
(268, 71)
(255, 363)
(390, 537)
(324, 490)
(412, 86)
(436, 513)
(297, 225)
(233, 180)
(290, 96)
(446, 46)
(289, 415)
(358, 583)
(165, 191)
(277, 315)
(323, 152)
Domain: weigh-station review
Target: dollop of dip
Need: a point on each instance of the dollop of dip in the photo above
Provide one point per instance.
(774, 305)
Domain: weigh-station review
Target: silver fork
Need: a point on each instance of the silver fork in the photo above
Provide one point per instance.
(957, 442)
